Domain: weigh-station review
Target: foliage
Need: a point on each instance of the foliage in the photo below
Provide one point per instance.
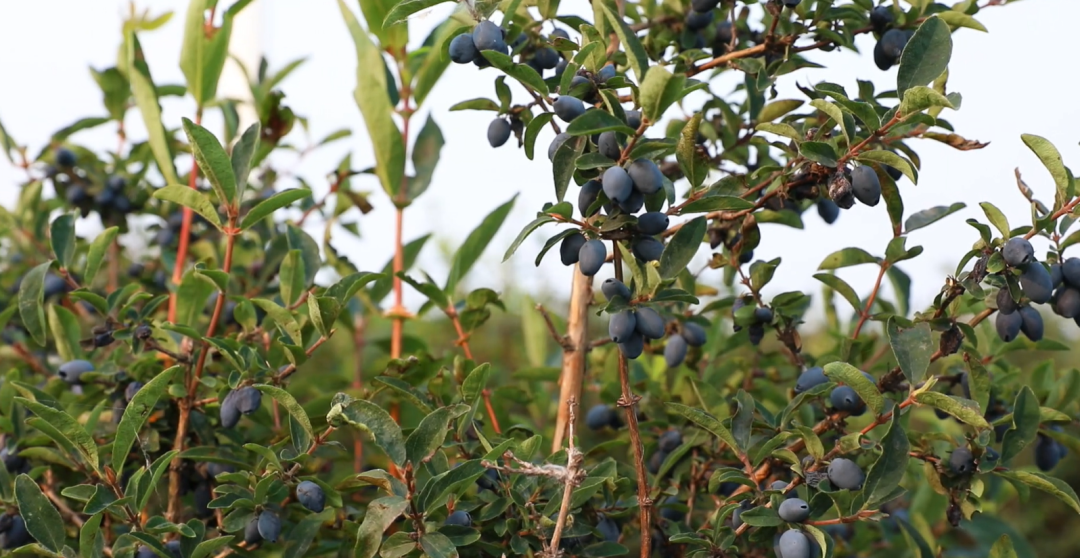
(181, 407)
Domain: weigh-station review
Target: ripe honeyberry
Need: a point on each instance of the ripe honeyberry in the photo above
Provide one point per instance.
(652, 223)
(489, 480)
(269, 526)
(669, 440)
(230, 411)
(888, 49)
(203, 495)
(649, 323)
(248, 399)
(792, 3)
(845, 399)
(1070, 271)
(215, 469)
(556, 144)
(656, 460)
(251, 532)
(558, 34)
(1005, 302)
(763, 315)
(633, 118)
(647, 249)
(462, 49)
(13, 462)
(704, 5)
(488, 36)
(1018, 251)
(828, 210)
(1047, 453)
(633, 346)
(781, 485)
(646, 176)
(1067, 302)
(591, 257)
(693, 333)
(599, 417)
(1032, 323)
(608, 146)
(460, 518)
(568, 108)
(865, 185)
(1035, 282)
(609, 530)
(590, 191)
(617, 184)
(72, 370)
(845, 474)
(696, 21)
(633, 203)
(793, 544)
(1008, 325)
(880, 18)
(756, 332)
(794, 510)
(145, 552)
(546, 58)
(669, 512)
(498, 132)
(621, 326)
(570, 247)
(962, 462)
(66, 158)
(605, 73)
(613, 287)
(311, 496)
(675, 351)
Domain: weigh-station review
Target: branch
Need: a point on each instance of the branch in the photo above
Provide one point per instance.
(574, 350)
(574, 476)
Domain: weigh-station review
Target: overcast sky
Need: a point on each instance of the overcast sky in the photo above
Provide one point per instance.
(1013, 81)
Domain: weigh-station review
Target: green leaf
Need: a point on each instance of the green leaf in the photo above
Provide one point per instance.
(475, 243)
(136, 413)
(192, 199)
(210, 547)
(819, 152)
(778, 108)
(65, 331)
(379, 516)
(658, 91)
(839, 285)
(706, 421)
(1003, 547)
(425, 156)
(846, 258)
(273, 203)
(96, 253)
(478, 104)
(42, 519)
(887, 472)
(1051, 159)
(895, 161)
(146, 98)
(595, 121)
(635, 52)
(282, 317)
(964, 410)
(912, 347)
(957, 19)
(834, 113)
(428, 437)
(716, 203)
(372, 420)
(301, 537)
(212, 159)
(32, 300)
(926, 55)
(91, 543)
(978, 383)
(920, 98)
(842, 372)
(780, 129)
(1025, 425)
(62, 239)
(564, 163)
(682, 247)
(428, 289)
(1055, 487)
(71, 431)
(299, 415)
(157, 470)
(202, 56)
(761, 517)
(930, 216)
(533, 129)
(291, 277)
(525, 232)
(402, 10)
(695, 168)
(524, 73)
(374, 102)
(997, 218)
(242, 154)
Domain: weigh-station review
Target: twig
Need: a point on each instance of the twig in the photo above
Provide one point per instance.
(865, 313)
(291, 369)
(562, 340)
(574, 351)
(573, 478)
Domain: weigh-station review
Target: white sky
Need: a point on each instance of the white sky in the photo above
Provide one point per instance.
(1009, 88)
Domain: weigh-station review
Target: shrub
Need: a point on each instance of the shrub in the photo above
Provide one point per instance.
(176, 402)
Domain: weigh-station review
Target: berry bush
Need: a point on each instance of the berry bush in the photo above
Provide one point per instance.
(202, 394)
